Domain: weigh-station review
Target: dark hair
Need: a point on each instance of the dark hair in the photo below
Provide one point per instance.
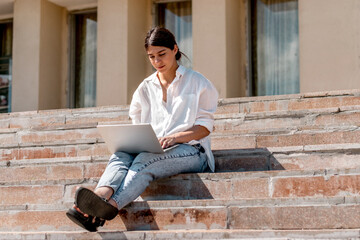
(161, 37)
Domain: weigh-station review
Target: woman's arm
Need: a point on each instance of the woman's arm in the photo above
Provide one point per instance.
(196, 132)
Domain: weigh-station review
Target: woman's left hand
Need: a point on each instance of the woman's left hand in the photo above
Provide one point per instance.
(196, 132)
(167, 141)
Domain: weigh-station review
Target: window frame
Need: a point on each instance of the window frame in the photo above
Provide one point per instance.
(155, 8)
(251, 83)
(70, 103)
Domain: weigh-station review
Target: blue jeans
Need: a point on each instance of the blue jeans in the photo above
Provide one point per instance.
(129, 174)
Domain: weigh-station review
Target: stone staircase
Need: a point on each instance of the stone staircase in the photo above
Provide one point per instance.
(288, 167)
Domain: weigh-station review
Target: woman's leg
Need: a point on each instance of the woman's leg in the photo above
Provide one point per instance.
(110, 182)
(147, 167)
(114, 174)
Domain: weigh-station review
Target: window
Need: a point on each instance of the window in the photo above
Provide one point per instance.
(82, 86)
(6, 36)
(177, 17)
(275, 47)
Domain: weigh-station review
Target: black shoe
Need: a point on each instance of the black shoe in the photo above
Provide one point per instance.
(90, 203)
(84, 222)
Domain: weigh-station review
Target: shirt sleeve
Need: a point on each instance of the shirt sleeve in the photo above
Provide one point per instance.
(135, 108)
(208, 101)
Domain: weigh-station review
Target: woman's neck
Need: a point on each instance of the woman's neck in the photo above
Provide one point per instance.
(167, 77)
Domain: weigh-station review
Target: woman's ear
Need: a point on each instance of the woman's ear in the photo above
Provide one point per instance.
(176, 48)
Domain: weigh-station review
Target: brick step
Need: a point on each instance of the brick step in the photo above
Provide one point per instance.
(223, 120)
(255, 214)
(187, 234)
(309, 157)
(45, 144)
(285, 139)
(284, 121)
(263, 130)
(229, 121)
(236, 125)
(39, 190)
(60, 117)
(87, 161)
(337, 101)
(293, 102)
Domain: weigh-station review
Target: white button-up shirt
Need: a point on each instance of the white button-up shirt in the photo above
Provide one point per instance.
(191, 100)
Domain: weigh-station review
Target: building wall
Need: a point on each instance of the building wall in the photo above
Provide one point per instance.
(209, 41)
(121, 66)
(236, 85)
(329, 48)
(51, 50)
(111, 52)
(26, 55)
(37, 55)
(329, 45)
(137, 57)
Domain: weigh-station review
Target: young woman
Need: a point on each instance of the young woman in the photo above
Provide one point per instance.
(179, 103)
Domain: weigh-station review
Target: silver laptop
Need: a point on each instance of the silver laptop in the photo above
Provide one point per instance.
(130, 138)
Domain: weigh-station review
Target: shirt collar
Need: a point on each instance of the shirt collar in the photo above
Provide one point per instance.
(180, 71)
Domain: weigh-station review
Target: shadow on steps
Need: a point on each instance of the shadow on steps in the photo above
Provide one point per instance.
(241, 160)
(141, 216)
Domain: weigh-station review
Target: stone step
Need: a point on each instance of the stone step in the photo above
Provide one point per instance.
(337, 101)
(292, 102)
(302, 119)
(309, 157)
(60, 117)
(187, 234)
(251, 214)
(55, 187)
(287, 121)
(78, 142)
(327, 116)
(85, 161)
(285, 139)
(233, 125)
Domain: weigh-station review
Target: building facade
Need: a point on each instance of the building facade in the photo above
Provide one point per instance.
(84, 53)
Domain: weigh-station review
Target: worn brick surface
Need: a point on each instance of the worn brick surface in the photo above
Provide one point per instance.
(71, 150)
(233, 142)
(8, 140)
(31, 194)
(303, 132)
(188, 234)
(314, 161)
(211, 189)
(242, 163)
(134, 219)
(241, 126)
(308, 139)
(36, 120)
(295, 217)
(35, 221)
(60, 136)
(36, 173)
(250, 188)
(94, 169)
(314, 103)
(350, 101)
(167, 190)
(226, 109)
(174, 218)
(43, 152)
(314, 186)
(95, 117)
(352, 119)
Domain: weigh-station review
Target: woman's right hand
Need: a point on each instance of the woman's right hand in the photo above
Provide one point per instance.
(167, 141)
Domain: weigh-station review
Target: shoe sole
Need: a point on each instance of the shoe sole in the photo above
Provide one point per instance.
(90, 203)
(80, 220)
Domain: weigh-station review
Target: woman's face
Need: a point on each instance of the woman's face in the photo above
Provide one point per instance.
(162, 58)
